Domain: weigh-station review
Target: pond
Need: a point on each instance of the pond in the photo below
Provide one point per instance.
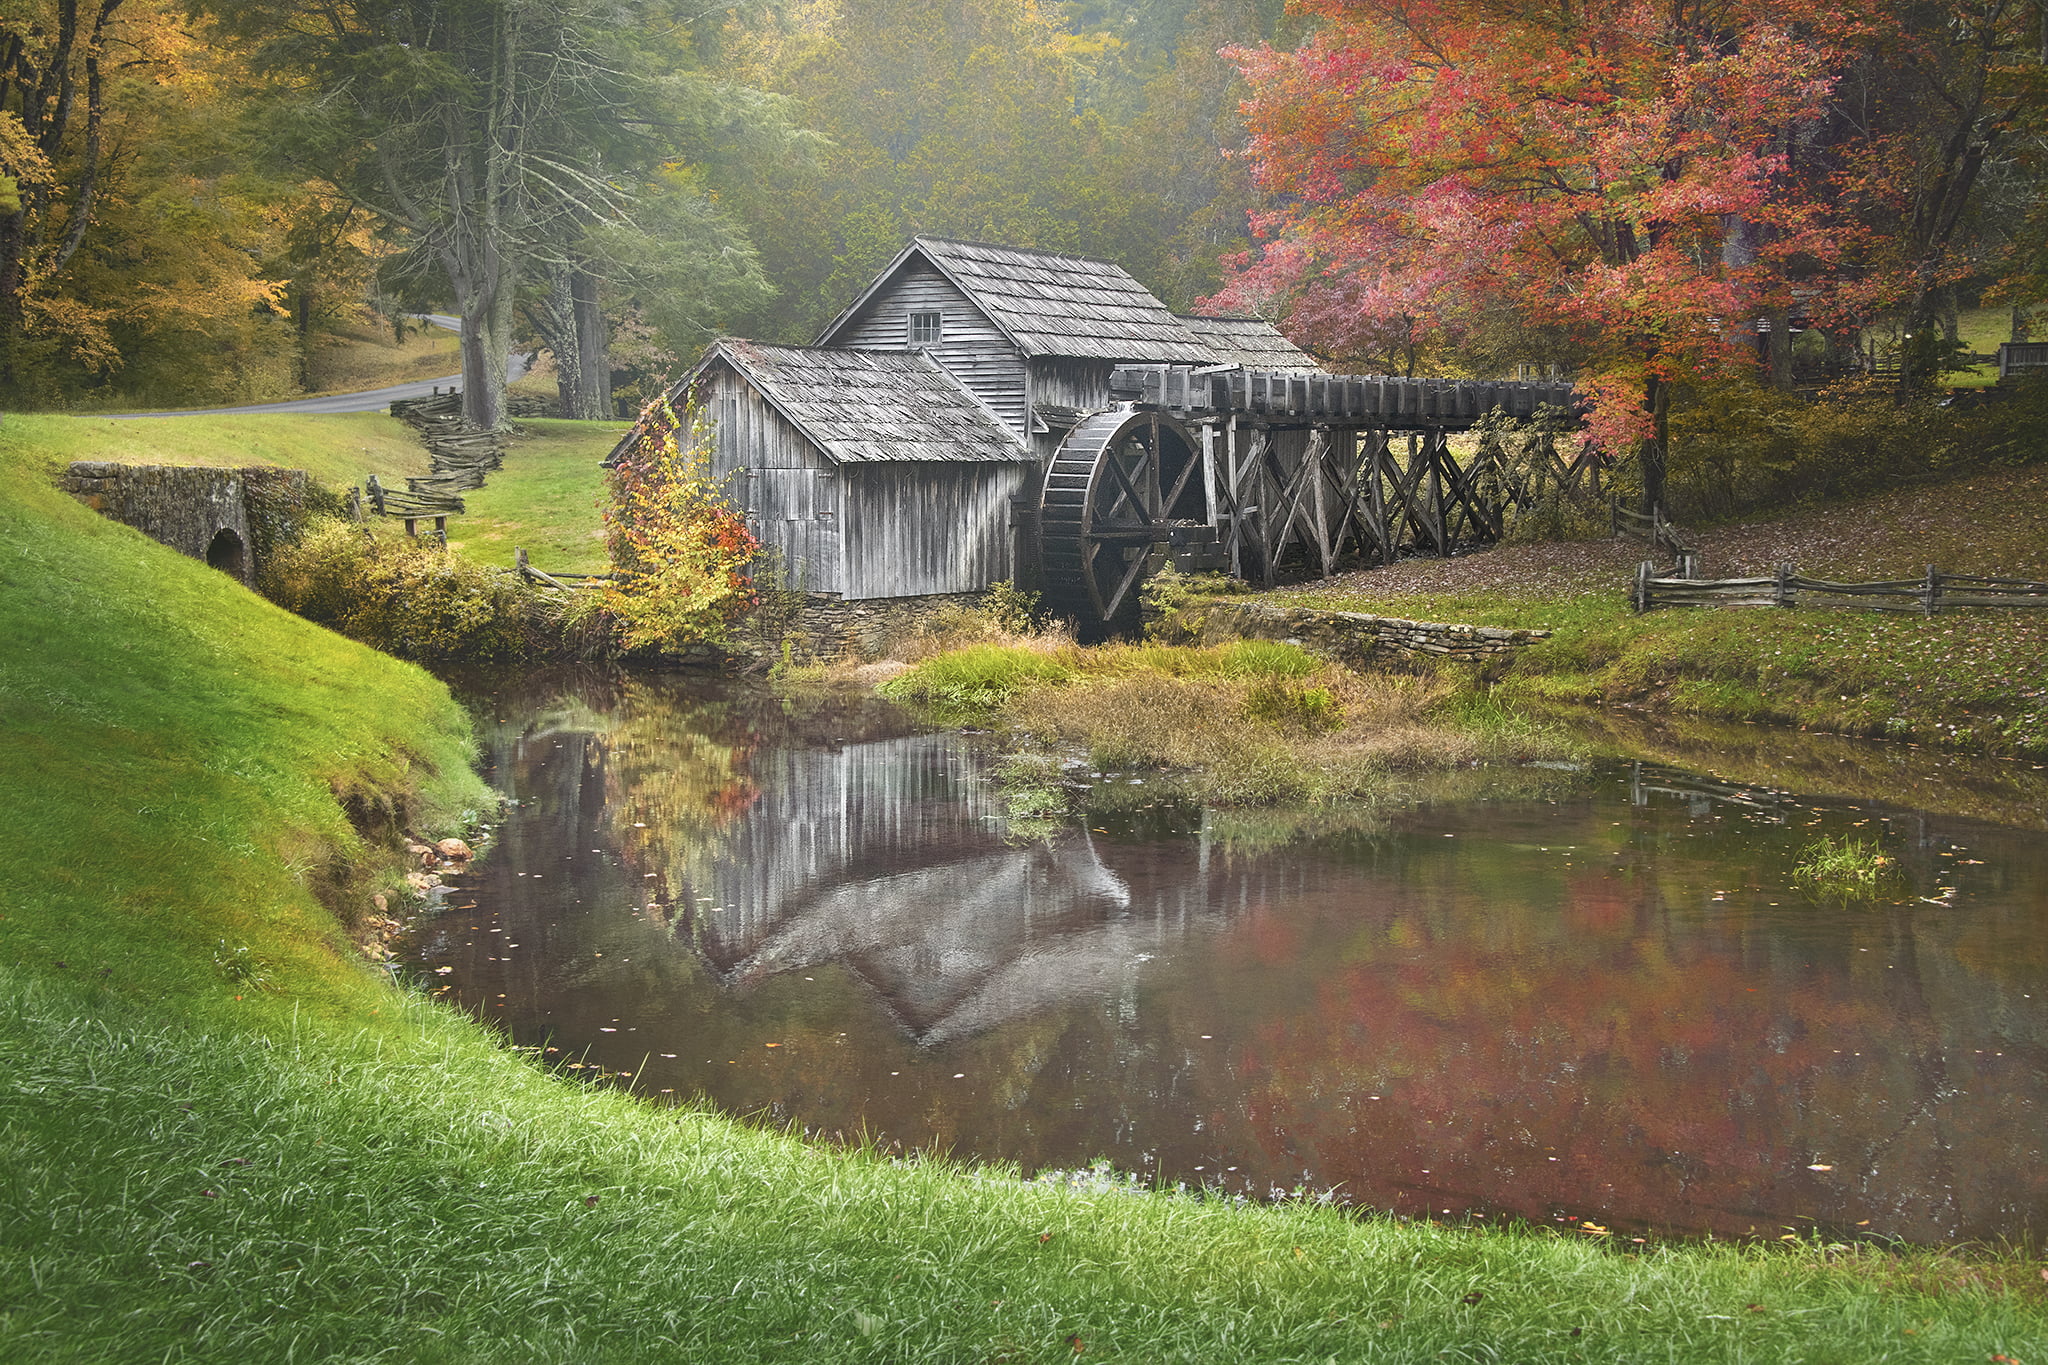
(1584, 994)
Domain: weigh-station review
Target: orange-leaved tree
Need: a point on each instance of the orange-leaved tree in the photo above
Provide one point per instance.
(1624, 182)
(680, 553)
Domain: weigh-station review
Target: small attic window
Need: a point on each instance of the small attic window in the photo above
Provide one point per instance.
(924, 329)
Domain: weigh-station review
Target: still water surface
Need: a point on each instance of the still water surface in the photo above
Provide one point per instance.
(1590, 994)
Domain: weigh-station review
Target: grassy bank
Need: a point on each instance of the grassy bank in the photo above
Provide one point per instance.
(1974, 680)
(547, 500)
(227, 1139)
(1247, 723)
(361, 353)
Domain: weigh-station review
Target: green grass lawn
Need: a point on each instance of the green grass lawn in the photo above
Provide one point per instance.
(229, 1139)
(338, 449)
(547, 499)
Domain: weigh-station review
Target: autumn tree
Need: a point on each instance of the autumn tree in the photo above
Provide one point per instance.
(681, 554)
(1614, 178)
(132, 241)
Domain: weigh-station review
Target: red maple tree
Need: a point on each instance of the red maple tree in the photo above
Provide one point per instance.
(1616, 182)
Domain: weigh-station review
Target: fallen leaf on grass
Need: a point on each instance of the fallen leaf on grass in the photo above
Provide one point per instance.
(1079, 1346)
(1473, 1297)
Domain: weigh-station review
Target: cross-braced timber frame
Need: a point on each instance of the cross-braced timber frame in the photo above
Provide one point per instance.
(1310, 472)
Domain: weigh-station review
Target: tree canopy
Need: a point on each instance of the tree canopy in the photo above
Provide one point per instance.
(1630, 189)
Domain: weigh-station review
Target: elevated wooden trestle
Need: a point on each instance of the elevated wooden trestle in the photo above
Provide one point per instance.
(1309, 470)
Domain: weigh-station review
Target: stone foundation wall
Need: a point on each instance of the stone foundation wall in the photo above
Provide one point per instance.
(1348, 636)
(188, 506)
(825, 626)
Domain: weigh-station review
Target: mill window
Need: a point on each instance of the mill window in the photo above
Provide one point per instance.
(924, 329)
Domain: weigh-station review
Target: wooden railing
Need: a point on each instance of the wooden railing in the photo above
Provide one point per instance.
(1657, 532)
(1928, 594)
(567, 582)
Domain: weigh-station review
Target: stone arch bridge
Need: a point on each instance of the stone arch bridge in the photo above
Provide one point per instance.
(226, 517)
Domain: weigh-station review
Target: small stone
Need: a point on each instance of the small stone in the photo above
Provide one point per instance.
(454, 849)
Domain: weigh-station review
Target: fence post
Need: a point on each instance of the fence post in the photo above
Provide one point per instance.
(1689, 564)
(1784, 592)
(1930, 595)
(1614, 514)
(519, 563)
(1642, 592)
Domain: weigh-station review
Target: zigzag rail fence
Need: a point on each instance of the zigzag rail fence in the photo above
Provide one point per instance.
(1655, 529)
(460, 457)
(1927, 595)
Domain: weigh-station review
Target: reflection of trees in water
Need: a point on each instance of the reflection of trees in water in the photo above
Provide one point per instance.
(1683, 1059)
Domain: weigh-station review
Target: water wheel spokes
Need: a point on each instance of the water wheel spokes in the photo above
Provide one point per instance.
(1111, 495)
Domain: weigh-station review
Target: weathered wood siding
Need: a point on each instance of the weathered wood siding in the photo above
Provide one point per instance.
(914, 529)
(1068, 383)
(971, 347)
(788, 490)
(1062, 382)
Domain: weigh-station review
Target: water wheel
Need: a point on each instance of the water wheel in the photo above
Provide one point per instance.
(1116, 491)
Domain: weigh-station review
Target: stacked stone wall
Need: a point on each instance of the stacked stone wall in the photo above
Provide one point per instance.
(1346, 636)
(824, 627)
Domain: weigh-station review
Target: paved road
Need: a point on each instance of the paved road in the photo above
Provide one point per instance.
(369, 400)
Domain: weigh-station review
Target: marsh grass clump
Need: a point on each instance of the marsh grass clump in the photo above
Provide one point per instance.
(981, 677)
(1312, 710)
(1254, 723)
(1037, 794)
(1847, 869)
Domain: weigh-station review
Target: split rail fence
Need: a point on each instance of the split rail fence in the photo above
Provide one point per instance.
(567, 582)
(1932, 592)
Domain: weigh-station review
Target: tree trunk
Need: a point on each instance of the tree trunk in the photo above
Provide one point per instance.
(553, 319)
(1655, 450)
(593, 352)
(1780, 346)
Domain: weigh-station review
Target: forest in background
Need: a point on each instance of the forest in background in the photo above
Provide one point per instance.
(1651, 199)
(194, 200)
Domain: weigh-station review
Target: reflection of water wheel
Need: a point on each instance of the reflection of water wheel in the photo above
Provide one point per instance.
(1117, 488)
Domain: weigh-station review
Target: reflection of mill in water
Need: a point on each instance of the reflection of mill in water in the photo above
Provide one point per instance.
(889, 859)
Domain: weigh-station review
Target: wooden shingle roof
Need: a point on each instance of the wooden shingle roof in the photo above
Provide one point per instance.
(1051, 304)
(864, 407)
(1253, 343)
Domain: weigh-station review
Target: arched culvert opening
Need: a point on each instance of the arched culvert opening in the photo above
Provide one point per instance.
(228, 554)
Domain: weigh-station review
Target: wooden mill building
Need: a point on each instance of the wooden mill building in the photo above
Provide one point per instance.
(981, 413)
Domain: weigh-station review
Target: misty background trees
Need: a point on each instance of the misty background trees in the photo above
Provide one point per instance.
(188, 201)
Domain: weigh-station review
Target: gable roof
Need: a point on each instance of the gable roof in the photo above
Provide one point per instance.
(867, 407)
(1049, 303)
(1254, 343)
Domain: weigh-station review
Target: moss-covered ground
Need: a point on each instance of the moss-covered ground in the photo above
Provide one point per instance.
(227, 1139)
